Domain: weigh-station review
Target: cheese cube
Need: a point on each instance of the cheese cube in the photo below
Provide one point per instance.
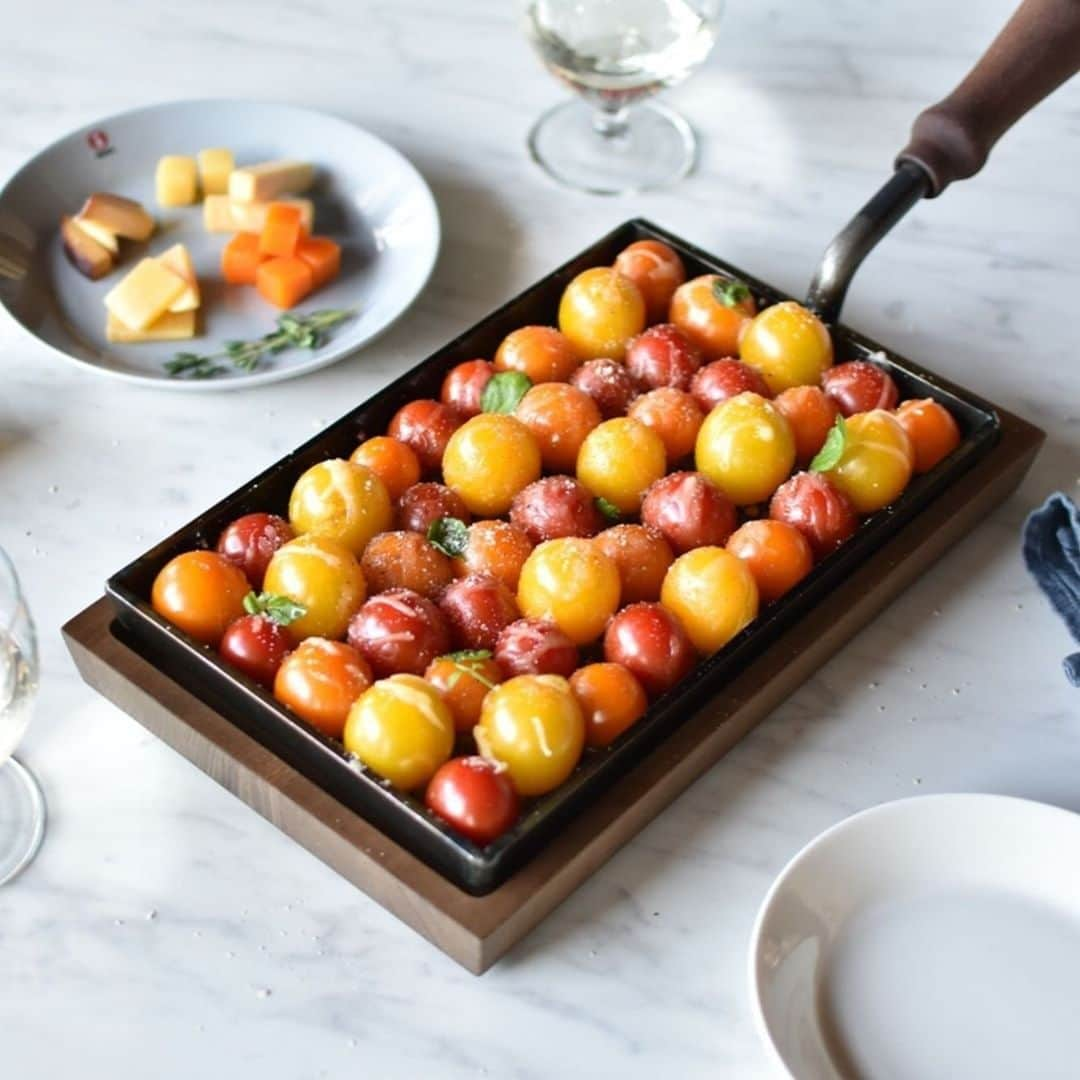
(215, 166)
(178, 260)
(172, 326)
(176, 181)
(124, 217)
(104, 237)
(262, 183)
(145, 294)
(222, 215)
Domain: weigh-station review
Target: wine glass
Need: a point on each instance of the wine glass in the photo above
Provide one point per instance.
(614, 54)
(22, 806)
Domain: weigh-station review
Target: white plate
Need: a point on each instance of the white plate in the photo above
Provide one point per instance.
(929, 938)
(368, 198)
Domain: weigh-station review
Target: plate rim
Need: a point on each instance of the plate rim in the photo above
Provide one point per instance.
(255, 379)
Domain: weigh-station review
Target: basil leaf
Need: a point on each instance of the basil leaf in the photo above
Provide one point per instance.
(608, 509)
(504, 390)
(279, 609)
(828, 457)
(450, 535)
(730, 292)
(467, 654)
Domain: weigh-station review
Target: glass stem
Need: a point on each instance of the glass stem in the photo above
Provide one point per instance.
(609, 121)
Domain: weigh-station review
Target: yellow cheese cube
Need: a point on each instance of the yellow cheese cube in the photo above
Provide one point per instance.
(178, 260)
(222, 215)
(261, 183)
(176, 181)
(172, 326)
(145, 294)
(215, 166)
(103, 236)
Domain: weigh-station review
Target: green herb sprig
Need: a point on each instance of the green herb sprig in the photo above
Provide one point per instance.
(828, 457)
(730, 292)
(279, 609)
(293, 332)
(608, 509)
(466, 662)
(450, 535)
(504, 390)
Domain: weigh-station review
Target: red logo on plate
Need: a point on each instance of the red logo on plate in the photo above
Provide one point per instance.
(98, 141)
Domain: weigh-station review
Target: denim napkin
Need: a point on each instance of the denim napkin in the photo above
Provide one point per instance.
(1052, 554)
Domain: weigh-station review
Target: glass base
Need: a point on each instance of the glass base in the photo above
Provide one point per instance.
(22, 818)
(651, 146)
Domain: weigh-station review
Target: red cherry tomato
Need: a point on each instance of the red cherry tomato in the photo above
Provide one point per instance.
(535, 647)
(464, 386)
(723, 379)
(608, 383)
(663, 356)
(257, 646)
(250, 542)
(475, 797)
(555, 506)
(689, 511)
(858, 386)
(399, 631)
(423, 504)
(478, 607)
(425, 426)
(650, 642)
(818, 510)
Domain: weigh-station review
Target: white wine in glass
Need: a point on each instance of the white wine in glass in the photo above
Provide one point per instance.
(615, 54)
(22, 807)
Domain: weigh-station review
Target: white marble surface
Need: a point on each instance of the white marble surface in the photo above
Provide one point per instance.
(166, 930)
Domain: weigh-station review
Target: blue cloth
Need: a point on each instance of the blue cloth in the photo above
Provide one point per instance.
(1052, 554)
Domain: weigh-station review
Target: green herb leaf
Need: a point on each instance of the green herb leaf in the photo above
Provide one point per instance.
(450, 535)
(279, 609)
(462, 655)
(610, 511)
(504, 390)
(470, 670)
(828, 457)
(730, 292)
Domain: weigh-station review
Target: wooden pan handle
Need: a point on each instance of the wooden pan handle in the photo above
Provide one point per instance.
(1038, 50)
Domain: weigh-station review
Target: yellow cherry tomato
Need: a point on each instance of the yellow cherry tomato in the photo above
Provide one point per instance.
(572, 583)
(600, 311)
(488, 460)
(402, 729)
(713, 594)
(789, 345)
(876, 464)
(324, 577)
(341, 501)
(618, 461)
(534, 726)
(745, 447)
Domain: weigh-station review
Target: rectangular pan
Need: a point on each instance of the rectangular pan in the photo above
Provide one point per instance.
(403, 817)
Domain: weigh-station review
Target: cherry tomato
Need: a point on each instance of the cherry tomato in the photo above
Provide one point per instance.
(256, 645)
(425, 426)
(650, 642)
(931, 429)
(474, 797)
(322, 576)
(875, 466)
(859, 386)
(656, 270)
(401, 729)
(463, 679)
(713, 594)
(789, 345)
(641, 555)
(319, 680)
(600, 311)
(405, 560)
(663, 356)
(810, 414)
(817, 509)
(541, 352)
(496, 548)
(489, 459)
(713, 312)
(746, 448)
(535, 647)
(424, 504)
(608, 383)
(723, 379)
(201, 592)
(674, 416)
(464, 386)
(611, 700)
(533, 725)
(556, 506)
(777, 555)
(341, 501)
(689, 511)
(394, 463)
(559, 417)
(478, 607)
(571, 583)
(250, 542)
(619, 460)
(399, 631)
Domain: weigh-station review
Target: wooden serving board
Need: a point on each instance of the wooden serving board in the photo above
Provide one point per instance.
(476, 931)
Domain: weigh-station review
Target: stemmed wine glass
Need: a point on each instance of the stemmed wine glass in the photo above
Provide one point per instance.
(614, 54)
(22, 806)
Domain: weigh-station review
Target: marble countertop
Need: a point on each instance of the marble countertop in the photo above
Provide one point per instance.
(167, 930)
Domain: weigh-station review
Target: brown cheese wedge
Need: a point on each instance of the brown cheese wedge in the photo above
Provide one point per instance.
(86, 254)
(121, 216)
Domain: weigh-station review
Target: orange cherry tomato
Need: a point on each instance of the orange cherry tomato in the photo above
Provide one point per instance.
(656, 270)
(464, 679)
(319, 680)
(600, 311)
(642, 557)
(776, 553)
(932, 430)
(611, 700)
(559, 416)
(497, 548)
(541, 352)
(674, 415)
(810, 413)
(713, 312)
(201, 592)
(394, 463)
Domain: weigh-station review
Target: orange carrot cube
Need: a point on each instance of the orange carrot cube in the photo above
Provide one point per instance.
(240, 259)
(282, 230)
(284, 282)
(322, 255)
